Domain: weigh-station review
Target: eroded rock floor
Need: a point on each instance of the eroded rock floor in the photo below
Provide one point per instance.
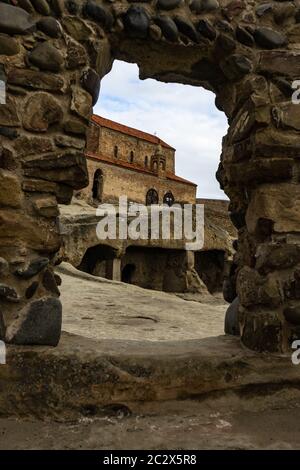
(101, 309)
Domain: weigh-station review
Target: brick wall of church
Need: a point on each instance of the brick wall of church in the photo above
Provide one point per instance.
(106, 141)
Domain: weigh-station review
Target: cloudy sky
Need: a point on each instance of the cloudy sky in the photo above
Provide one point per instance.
(184, 116)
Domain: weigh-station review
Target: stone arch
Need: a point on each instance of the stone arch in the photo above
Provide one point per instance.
(54, 56)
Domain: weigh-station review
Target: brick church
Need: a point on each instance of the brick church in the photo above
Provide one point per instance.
(123, 161)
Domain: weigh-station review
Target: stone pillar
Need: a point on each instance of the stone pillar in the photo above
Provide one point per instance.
(260, 173)
(113, 269)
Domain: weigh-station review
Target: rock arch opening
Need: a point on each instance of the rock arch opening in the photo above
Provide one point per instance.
(248, 59)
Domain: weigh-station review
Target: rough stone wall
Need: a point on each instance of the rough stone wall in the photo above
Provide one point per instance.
(214, 262)
(211, 267)
(138, 178)
(149, 266)
(54, 54)
(119, 181)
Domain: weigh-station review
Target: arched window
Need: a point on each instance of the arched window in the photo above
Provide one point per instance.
(131, 156)
(152, 197)
(163, 165)
(116, 151)
(169, 199)
(146, 161)
(97, 185)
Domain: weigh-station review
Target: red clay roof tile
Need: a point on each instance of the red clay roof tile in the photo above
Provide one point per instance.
(116, 126)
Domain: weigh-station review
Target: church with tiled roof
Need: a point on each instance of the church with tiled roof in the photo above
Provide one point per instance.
(123, 161)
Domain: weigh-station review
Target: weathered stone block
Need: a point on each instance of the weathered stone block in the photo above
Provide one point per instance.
(8, 114)
(14, 20)
(34, 268)
(76, 55)
(50, 26)
(8, 45)
(10, 189)
(276, 256)
(99, 13)
(26, 146)
(292, 314)
(286, 115)
(262, 331)
(81, 103)
(37, 323)
(168, 27)
(248, 117)
(77, 28)
(66, 141)
(74, 126)
(49, 282)
(68, 168)
(8, 294)
(282, 62)
(38, 186)
(268, 38)
(253, 289)
(137, 22)
(232, 326)
(91, 83)
(261, 170)
(168, 4)
(37, 235)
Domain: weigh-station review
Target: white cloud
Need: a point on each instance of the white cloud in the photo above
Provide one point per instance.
(182, 115)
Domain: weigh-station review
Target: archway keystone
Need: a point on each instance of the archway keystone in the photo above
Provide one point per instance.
(54, 54)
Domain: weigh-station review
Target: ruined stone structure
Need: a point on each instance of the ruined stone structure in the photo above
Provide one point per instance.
(54, 55)
(213, 262)
(132, 163)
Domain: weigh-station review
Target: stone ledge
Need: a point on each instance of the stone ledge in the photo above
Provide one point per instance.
(83, 375)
